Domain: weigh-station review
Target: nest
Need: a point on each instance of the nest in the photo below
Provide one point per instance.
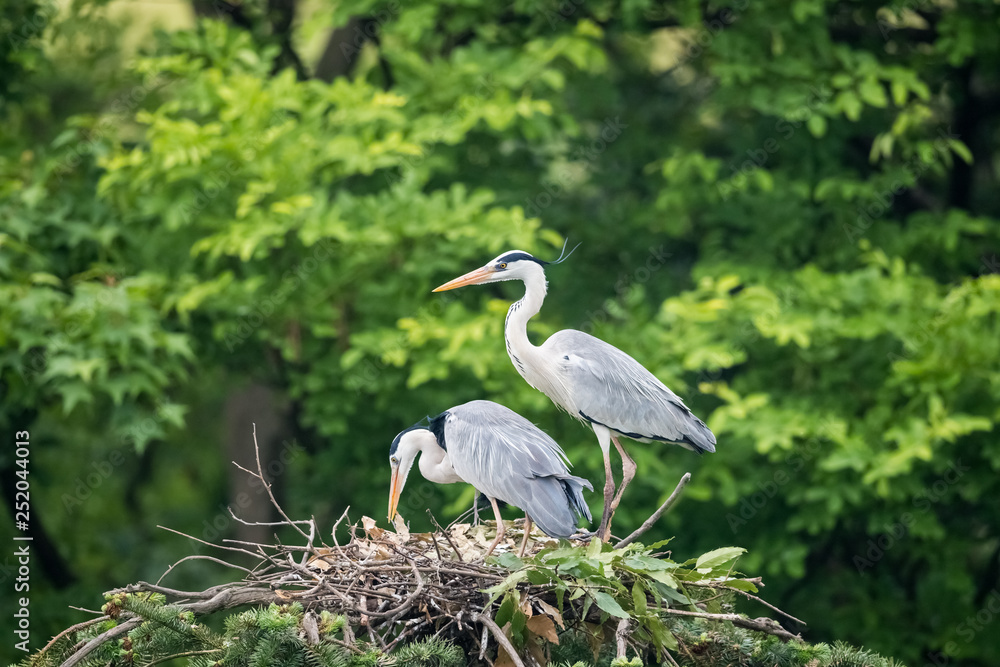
(394, 587)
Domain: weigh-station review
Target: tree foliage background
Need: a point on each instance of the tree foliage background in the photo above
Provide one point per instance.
(787, 211)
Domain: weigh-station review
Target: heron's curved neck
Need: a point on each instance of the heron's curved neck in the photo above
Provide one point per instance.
(519, 348)
(434, 464)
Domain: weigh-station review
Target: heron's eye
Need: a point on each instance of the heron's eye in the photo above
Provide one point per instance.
(502, 265)
(393, 460)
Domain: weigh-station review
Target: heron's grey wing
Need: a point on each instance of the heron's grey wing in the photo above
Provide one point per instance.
(507, 457)
(611, 388)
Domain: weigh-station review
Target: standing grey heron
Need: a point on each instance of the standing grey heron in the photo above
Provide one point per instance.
(502, 455)
(593, 381)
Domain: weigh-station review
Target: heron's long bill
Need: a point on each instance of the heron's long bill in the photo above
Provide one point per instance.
(470, 278)
(395, 489)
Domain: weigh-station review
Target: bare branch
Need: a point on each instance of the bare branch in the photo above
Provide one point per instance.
(499, 636)
(458, 554)
(217, 546)
(100, 639)
(621, 637)
(181, 655)
(751, 596)
(765, 625)
(71, 629)
(270, 494)
(648, 523)
(200, 557)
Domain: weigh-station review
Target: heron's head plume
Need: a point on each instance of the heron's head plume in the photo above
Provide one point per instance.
(510, 265)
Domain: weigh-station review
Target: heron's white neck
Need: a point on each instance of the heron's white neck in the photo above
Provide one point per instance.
(523, 354)
(434, 463)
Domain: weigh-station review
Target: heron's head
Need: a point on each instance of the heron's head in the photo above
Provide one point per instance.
(402, 453)
(511, 265)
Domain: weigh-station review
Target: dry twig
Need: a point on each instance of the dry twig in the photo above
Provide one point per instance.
(648, 523)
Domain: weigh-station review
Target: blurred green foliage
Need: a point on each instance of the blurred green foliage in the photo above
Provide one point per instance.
(787, 211)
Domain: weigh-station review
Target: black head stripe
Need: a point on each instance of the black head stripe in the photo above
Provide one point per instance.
(523, 256)
(395, 443)
(520, 256)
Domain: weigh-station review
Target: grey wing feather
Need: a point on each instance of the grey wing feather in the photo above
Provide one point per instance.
(611, 388)
(507, 457)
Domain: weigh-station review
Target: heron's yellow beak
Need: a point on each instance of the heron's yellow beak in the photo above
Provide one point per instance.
(471, 278)
(395, 489)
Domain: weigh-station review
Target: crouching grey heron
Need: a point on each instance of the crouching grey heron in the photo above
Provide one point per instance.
(593, 381)
(502, 455)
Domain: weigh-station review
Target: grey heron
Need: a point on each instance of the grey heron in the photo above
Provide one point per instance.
(502, 455)
(593, 381)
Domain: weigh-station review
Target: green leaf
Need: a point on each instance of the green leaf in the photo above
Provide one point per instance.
(816, 125)
(507, 584)
(660, 544)
(643, 563)
(74, 392)
(717, 557)
(639, 598)
(664, 578)
(594, 548)
(510, 561)
(671, 593)
(609, 604)
(507, 609)
(661, 635)
(742, 585)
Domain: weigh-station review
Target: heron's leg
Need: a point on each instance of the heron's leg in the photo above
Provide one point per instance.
(501, 529)
(604, 532)
(527, 532)
(475, 509)
(628, 472)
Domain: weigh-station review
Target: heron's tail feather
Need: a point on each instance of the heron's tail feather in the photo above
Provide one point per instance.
(557, 504)
(700, 439)
(573, 487)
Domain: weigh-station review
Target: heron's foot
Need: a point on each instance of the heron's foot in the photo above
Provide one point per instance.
(582, 535)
